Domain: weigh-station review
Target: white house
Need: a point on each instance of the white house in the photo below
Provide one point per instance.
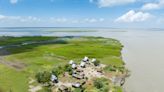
(71, 62)
(86, 59)
(76, 85)
(82, 64)
(54, 78)
(74, 66)
(93, 60)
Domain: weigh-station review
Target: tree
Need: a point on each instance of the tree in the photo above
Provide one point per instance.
(98, 84)
(101, 84)
(96, 63)
(43, 77)
(68, 68)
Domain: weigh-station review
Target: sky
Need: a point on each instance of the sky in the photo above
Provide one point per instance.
(82, 13)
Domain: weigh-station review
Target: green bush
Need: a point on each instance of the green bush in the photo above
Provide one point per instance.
(110, 68)
(43, 77)
(101, 84)
(98, 84)
(96, 63)
(78, 90)
(68, 68)
(57, 70)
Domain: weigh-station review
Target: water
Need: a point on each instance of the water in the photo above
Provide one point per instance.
(143, 52)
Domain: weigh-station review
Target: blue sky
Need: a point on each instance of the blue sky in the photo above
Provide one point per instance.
(82, 13)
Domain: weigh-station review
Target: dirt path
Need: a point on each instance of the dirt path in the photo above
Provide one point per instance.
(13, 64)
(33, 88)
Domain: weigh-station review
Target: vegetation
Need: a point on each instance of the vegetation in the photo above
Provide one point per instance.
(8, 40)
(43, 77)
(96, 63)
(101, 84)
(43, 57)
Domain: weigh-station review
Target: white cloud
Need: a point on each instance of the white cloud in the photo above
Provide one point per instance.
(109, 3)
(2, 17)
(133, 16)
(85, 20)
(153, 6)
(18, 19)
(13, 1)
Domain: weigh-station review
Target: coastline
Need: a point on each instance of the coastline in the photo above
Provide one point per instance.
(120, 80)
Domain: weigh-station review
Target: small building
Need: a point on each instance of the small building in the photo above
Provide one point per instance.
(86, 59)
(82, 64)
(54, 79)
(93, 60)
(63, 88)
(79, 70)
(76, 85)
(74, 66)
(77, 76)
(71, 62)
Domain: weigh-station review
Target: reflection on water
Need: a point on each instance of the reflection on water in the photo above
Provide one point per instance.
(143, 52)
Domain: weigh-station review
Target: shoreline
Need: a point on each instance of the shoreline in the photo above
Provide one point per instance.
(120, 79)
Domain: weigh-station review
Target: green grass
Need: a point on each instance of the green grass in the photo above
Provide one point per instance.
(44, 57)
(12, 80)
(7, 40)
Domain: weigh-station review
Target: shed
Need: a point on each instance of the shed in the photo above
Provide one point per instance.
(74, 66)
(86, 59)
(93, 60)
(71, 62)
(54, 79)
(63, 88)
(76, 85)
(82, 64)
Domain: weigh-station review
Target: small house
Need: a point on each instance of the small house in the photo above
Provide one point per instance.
(74, 66)
(82, 64)
(77, 76)
(86, 59)
(54, 79)
(71, 62)
(76, 85)
(93, 60)
(63, 88)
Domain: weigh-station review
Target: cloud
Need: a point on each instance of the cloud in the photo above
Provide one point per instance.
(153, 6)
(133, 16)
(109, 3)
(2, 17)
(18, 19)
(13, 1)
(85, 20)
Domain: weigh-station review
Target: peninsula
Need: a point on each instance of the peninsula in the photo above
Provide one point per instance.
(64, 64)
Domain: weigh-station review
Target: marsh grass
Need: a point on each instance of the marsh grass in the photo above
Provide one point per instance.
(46, 56)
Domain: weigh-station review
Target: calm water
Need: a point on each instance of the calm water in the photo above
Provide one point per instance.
(143, 52)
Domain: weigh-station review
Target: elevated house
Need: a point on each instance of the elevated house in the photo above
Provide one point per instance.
(86, 59)
(71, 62)
(76, 85)
(63, 88)
(74, 66)
(82, 64)
(77, 76)
(54, 79)
(93, 60)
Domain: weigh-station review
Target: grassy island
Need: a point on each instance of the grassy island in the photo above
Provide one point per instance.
(24, 58)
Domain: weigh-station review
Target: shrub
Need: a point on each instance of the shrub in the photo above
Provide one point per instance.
(79, 89)
(68, 69)
(110, 68)
(98, 84)
(43, 77)
(96, 63)
(57, 70)
(101, 84)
